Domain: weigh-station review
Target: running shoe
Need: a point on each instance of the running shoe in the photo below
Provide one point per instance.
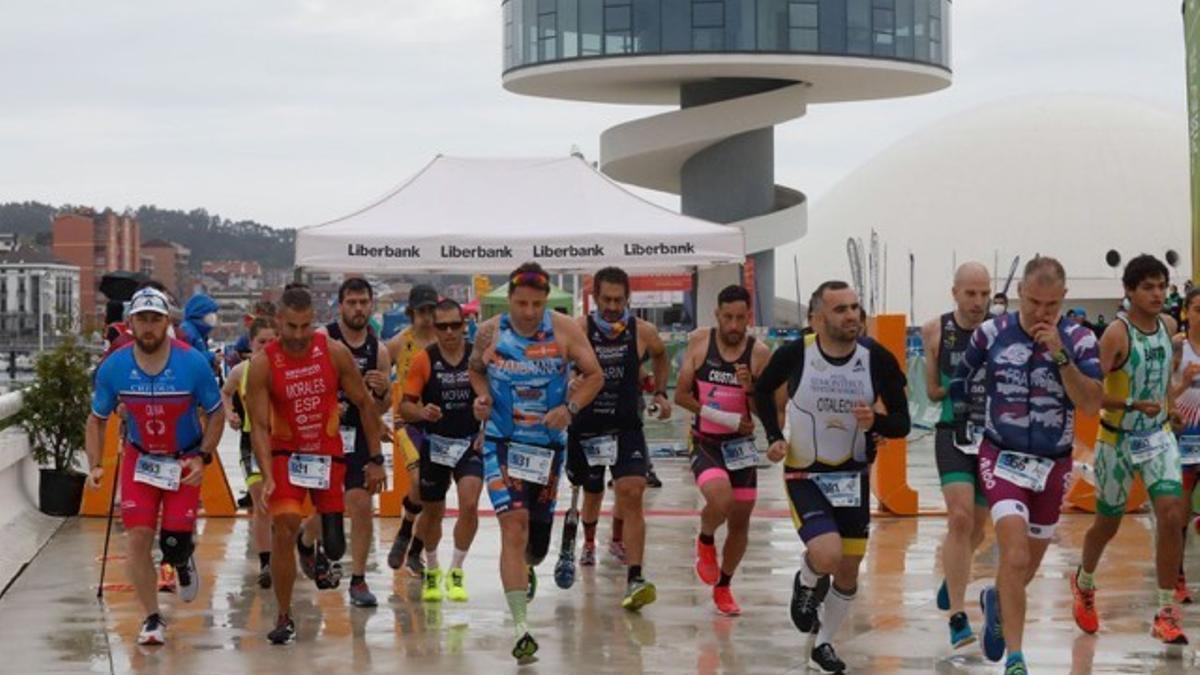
(189, 580)
(638, 594)
(993, 632)
(326, 575)
(399, 550)
(1084, 606)
(414, 566)
(587, 556)
(152, 632)
(617, 550)
(308, 561)
(525, 649)
(706, 563)
(723, 598)
(432, 585)
(456, 591)
(824, 660)
(1015, 665)
(652, 479)
(943, 597)
(961, 634)
(1167, 627)
(361, 595)
(264, 577)
(166, 578)
(531, 588)
(285, 630)
(805, 601)
(1183, 595)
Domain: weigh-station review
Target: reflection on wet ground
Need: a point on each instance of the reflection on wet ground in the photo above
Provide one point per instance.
(50, 620)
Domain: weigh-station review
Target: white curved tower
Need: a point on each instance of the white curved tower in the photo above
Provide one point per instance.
(736, 68)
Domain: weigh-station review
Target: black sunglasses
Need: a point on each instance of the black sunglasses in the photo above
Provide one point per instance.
(452, 325)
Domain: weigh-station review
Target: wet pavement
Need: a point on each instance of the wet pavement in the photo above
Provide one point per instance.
(51, 621)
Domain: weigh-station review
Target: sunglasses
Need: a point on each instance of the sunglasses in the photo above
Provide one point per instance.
(452, 325)
(534, 279)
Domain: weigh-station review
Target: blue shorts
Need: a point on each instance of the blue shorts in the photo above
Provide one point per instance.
(510, 494)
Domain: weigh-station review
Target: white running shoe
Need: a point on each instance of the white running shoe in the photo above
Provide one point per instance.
(152, 631)
(189, 580)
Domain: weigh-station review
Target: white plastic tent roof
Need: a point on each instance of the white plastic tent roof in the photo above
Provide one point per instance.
(467, 215)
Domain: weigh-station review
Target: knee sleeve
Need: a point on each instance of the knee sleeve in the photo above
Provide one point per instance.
(176, 547)
(333, 535)
(539, 542)
(413, 507)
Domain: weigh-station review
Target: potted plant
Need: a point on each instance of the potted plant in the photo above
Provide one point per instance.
(54, 410)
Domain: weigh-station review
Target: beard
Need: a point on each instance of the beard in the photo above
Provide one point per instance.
(149, 342)
(295, 345)
(731, 339)
(357, 322)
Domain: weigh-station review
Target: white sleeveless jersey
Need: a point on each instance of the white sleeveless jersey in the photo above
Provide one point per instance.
(823, 431)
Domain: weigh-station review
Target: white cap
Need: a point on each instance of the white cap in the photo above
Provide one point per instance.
(149, 300)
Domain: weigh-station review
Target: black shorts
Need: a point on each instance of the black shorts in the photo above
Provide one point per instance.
(954, 465)
(248, 462)
(813, 515)
(631, 460)
(435, 478)
(708, 463)
(356, 463)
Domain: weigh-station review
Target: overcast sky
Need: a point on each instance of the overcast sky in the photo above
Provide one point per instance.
(293, 113)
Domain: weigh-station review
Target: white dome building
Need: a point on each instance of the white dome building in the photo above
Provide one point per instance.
(1074, 177)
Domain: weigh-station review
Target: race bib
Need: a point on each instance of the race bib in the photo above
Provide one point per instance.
(349, 436)
(310, 471)
(843, 489)
(1189, 450)
(600, 451)
(1144, 447)
(530, 463)
(1027, 471)
(967, 440)
(739, 453)
(447, 451)
(161, 472)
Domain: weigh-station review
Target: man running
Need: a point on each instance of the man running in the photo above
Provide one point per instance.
(716, 384)
(945, 340)
(356, 300)
(439, 400)
(836, 380)
(1135, 438)
(1039, 368)
(233, 394)
(519, 373)
(162, 385)
(608, 432)
(403, 348)
(1185, 397)
(292, 394)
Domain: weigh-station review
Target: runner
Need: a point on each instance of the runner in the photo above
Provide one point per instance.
(292, 392)
(716, 384)
(608, 432)
(438, 400)
(356, 301)
(1035, 383)
(836, 379)
(1135, 437)
(162, 385)
(406, 550)
(945, 340)
(1185, 395)
(519, 374)
(233, 394)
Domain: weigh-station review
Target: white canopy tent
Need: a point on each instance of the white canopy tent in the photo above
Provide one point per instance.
(467, 216)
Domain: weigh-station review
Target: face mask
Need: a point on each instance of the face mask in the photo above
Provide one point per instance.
(998, 309)
(210, 319)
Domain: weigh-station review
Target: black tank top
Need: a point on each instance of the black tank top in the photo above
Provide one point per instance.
(717, 386)
(366, 357)
(951, 347)
(449, 388)
(616, 406)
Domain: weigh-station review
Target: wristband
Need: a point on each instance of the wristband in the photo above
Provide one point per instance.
(376, 459)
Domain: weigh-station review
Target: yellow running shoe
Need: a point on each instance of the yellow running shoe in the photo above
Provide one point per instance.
(455, 590)
(432, 585)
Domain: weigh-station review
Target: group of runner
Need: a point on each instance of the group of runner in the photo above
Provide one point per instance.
(539, 391)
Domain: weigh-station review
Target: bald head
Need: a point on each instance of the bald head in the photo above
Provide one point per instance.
(972, 291)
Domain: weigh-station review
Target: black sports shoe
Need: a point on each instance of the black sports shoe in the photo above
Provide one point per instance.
(652, 479)
(805, 601)
(825, 660)
(308, 561)
(399, 550)
(285, 630)
(264, 577)
(245, 502)
(525, 648)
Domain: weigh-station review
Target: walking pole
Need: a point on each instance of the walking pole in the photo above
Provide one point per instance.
(108, 528)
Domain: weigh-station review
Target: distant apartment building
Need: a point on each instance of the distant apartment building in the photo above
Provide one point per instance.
(96, 243)
(39, 297)
(234, 275)
(168, 262)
